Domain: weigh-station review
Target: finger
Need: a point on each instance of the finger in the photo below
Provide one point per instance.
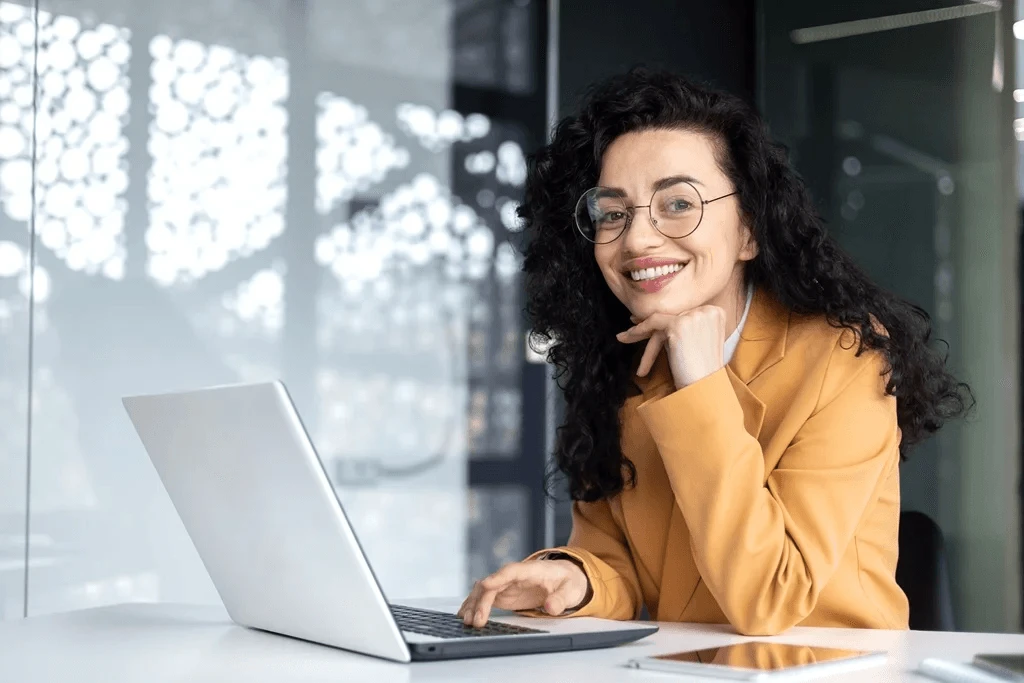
(508, 573)
(554, 605)
(486, 591)
(469, 606)
(482, 611)
(654, 345)
(558, 601)
(465, 603)
(633, 334)
(645, 328)
(469, 602)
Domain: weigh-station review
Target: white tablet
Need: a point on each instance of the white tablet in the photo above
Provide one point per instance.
(762, 661)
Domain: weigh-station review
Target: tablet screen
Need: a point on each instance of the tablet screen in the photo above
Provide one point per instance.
(762, 656)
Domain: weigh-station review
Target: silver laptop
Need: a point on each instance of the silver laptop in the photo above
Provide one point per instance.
(258, 505)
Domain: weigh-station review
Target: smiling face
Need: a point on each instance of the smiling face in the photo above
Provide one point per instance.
(651, 273)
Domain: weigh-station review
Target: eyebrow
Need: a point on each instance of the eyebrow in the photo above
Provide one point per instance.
(661, 184)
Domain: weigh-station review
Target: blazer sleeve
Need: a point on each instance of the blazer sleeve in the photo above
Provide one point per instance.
(766, 546)
(599, 547)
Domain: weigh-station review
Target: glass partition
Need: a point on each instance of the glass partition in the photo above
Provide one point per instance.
(242, 190)
(899, 114)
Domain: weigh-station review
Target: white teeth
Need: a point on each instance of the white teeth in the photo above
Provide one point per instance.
(651, 273)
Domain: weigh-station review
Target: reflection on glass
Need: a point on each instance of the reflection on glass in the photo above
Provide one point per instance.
(218, 147)
(904, 135)
(81, 172)
(416, 225)
(353, 154)
(174, 251)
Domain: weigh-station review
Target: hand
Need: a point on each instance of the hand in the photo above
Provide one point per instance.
(551, 585)
(695, 342)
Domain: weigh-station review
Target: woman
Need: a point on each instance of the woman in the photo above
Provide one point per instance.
(738, 393)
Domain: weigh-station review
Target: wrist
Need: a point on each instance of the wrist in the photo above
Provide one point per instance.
(691, 378)
(577, 574)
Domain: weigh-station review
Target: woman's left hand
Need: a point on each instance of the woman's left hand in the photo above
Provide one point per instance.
(695, 341)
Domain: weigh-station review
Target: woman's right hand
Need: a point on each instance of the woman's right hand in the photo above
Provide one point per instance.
(550, 585)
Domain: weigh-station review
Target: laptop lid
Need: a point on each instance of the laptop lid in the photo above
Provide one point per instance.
(253, 495)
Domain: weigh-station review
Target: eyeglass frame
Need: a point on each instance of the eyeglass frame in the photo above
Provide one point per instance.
(631, 212)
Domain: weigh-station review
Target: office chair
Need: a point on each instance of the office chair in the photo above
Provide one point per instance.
(922, 573)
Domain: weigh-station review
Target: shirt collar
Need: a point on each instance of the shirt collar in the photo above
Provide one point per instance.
(734, 338)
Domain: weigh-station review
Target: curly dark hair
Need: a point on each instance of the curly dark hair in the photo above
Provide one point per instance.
(569, 303)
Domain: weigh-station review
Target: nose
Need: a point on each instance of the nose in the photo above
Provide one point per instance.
(641, 235)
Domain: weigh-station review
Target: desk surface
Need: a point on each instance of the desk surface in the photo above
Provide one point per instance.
(163, 643)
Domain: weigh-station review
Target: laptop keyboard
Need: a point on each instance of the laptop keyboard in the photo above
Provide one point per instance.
(443, 625)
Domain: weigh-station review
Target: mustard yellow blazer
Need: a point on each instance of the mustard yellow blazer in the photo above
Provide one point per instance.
(767, 494)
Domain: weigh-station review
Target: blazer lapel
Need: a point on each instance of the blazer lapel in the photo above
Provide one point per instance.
(763, 339)
(679, 575)
(762, 344)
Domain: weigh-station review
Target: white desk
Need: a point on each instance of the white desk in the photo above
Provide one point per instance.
(164, 643)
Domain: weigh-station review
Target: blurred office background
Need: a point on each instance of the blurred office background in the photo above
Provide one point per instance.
(325, 192)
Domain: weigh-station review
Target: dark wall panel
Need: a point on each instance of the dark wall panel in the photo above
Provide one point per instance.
(712, 41)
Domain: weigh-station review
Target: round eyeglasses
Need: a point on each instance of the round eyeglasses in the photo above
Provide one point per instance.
(676, 211)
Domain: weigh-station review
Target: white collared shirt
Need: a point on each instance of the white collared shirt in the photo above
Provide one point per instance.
(734, 339)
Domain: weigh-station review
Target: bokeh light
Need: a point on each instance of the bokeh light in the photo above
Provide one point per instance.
(218, 141)
(353, 153)
(416, 224)
(81, 166)
(437, 130)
